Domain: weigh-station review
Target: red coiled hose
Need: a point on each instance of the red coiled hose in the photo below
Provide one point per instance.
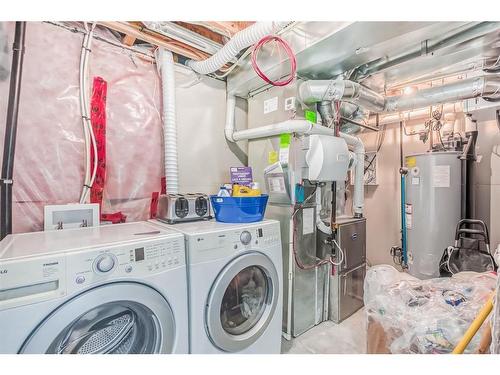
(293, 62)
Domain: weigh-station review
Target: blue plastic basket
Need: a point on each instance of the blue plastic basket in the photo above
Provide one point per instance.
(239, 209)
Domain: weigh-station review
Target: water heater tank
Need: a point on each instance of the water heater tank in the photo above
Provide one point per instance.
(432, 209)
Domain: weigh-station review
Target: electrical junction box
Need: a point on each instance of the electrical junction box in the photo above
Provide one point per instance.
(75, 215)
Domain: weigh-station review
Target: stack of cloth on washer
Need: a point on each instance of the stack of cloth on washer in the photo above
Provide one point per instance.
(408, 315)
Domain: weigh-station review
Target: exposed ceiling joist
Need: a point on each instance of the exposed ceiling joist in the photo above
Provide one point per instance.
(203, 31)
(228, 28)
(133, 30)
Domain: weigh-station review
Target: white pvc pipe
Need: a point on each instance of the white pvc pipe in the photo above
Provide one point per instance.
(359, 185)
(166, 64)
(230, 109)
(288, 126)
(241, 40)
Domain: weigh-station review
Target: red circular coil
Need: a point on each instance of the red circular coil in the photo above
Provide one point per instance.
(293, 62)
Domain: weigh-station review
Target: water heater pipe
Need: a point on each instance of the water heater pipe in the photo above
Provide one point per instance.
(241, 40)
(166, 65)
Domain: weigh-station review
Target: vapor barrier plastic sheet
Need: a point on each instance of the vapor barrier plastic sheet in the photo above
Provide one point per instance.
(49, 162)
(495, 343)
(407, 315)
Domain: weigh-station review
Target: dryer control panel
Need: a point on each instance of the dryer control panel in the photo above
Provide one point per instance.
(226, 242)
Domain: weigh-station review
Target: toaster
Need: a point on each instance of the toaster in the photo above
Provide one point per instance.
(179, 208)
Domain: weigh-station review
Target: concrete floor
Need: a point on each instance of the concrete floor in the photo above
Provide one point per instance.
(348, 337)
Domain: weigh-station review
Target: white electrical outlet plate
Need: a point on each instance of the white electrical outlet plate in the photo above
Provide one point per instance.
(290, 103)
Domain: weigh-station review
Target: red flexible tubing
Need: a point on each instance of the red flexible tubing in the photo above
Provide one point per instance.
(293, 61)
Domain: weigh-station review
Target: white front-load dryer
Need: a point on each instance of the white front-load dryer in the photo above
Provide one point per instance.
(110, 289)
(235, 286)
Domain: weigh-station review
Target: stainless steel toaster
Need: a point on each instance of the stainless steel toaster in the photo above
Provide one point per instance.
(177, 208)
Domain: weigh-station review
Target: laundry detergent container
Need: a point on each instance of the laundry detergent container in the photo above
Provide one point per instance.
(239, 209)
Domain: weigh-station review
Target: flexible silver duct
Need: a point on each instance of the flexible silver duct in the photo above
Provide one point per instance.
(312, 91)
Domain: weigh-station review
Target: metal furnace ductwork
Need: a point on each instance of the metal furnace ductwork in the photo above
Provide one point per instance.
(317, 91)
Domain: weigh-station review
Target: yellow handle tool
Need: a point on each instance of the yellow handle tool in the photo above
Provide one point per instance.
(474, 327)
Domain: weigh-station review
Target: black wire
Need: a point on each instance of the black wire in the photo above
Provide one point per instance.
(371, 162)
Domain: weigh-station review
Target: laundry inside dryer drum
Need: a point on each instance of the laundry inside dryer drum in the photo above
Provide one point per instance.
(244, 301)
(119, 327)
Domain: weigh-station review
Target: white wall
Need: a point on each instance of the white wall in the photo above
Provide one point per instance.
(382, 202)
(204, 156)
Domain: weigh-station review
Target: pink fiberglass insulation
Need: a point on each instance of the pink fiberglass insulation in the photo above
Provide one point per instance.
(49, 162)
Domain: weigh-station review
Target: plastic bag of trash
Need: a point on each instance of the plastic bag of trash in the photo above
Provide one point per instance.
(423, 316)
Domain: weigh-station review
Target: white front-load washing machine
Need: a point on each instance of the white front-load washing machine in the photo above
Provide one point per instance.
(110, 289)
(235, 286)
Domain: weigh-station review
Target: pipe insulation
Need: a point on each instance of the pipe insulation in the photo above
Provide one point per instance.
(166, 66)
(315, 91)
(241, 40)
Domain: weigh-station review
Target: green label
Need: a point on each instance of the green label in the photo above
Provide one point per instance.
(285, 140)
(311, 116)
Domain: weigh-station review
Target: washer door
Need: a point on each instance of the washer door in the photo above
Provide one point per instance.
(116, 318)
(241, 302)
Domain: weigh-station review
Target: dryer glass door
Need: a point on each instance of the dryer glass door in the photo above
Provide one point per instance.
(242, 302)
(118, 318)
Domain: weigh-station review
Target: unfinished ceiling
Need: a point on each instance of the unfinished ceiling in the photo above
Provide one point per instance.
(381, 55)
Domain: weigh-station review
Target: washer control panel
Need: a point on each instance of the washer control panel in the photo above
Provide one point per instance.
(245, 237)
(131, 260)
(105, 263)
